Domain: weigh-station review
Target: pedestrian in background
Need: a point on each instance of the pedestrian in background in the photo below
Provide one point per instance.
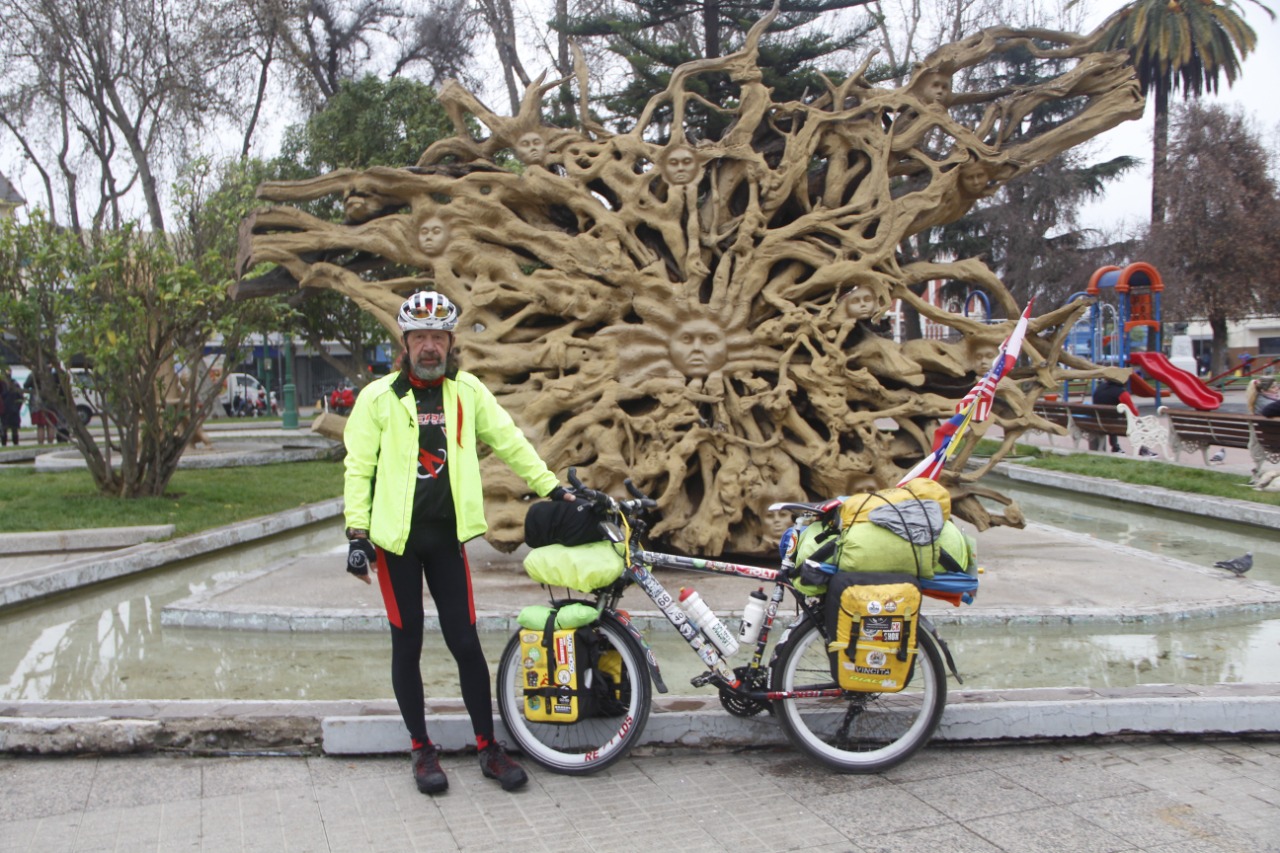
(11, 398)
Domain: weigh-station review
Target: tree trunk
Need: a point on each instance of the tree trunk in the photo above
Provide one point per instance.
(1160, 155)
(1218, 349)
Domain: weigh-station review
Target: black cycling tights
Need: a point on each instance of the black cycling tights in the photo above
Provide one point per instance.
(433, 550)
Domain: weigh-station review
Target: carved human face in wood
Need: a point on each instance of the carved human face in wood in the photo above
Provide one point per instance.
(775, 524)
(973, 180)
(680, 165)
(433, 235)
(934, 88)
(699, 348)
(859, 304)
(531, 147)
(982, 354)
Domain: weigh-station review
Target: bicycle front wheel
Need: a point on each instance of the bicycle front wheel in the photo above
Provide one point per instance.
(856, 732)
(592, 743)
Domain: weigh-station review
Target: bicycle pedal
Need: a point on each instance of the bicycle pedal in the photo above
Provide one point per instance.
(702, 680)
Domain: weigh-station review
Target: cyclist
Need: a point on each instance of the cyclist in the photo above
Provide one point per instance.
(414, 433)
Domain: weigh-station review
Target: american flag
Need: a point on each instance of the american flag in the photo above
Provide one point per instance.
(974, 408)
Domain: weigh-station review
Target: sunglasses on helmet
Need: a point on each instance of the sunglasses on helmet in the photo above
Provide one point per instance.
(430, 309)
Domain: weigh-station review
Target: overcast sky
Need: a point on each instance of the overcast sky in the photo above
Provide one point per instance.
(1128, 202)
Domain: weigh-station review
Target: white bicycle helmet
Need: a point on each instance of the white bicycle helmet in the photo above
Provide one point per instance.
(427, 309)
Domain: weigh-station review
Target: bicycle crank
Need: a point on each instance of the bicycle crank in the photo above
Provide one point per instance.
(745, 706)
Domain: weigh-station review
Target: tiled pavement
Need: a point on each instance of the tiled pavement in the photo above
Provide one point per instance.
(1175, 796)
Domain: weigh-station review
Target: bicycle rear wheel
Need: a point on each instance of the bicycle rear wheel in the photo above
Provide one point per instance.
(590, 744)
(856, 732)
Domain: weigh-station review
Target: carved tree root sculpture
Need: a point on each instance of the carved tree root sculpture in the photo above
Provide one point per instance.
(682, 313)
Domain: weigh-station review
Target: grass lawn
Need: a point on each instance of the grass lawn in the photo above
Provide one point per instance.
(1141, 472)
(197, 499)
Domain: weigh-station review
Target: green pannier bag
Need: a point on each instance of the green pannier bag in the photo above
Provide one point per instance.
(579, 567)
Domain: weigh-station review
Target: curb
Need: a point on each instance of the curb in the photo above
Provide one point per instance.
(1223, 509)
(375, 728)
(97, 538)
(22, 588)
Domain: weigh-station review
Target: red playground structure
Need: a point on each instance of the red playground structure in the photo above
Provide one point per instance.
(1129, 335)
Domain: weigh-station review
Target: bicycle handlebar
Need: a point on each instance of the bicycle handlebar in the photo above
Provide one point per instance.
(640, 503)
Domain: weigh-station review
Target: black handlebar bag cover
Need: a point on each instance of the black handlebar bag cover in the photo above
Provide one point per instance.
(562, 523)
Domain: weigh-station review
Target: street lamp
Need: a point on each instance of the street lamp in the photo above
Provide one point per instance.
(289, 418)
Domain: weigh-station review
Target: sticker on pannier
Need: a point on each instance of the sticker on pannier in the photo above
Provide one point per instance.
(873, 641)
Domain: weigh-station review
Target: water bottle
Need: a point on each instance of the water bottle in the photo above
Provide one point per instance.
(752, 618)
(700, 614)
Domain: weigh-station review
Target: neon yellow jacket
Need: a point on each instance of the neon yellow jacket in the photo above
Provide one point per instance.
(382, 452)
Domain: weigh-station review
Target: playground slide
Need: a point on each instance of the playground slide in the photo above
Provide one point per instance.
(1187, 386)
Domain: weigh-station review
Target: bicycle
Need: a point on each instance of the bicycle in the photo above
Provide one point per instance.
(851, 732)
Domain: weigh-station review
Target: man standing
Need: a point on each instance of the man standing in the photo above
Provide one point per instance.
(413, 496)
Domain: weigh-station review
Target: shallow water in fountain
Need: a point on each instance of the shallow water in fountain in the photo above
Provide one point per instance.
(107, 642)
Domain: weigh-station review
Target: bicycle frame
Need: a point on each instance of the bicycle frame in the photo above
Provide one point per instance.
(719, 673)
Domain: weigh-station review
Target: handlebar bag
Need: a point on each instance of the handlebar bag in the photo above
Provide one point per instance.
(562, 523)
(871, 625)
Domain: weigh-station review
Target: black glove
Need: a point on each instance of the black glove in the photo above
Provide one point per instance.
(557, 494)
(360, 555)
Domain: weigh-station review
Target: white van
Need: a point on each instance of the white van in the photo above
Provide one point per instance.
(88, 402)
(239, 392)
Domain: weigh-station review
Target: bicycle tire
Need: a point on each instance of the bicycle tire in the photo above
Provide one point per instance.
(588, 745)
(883, 729)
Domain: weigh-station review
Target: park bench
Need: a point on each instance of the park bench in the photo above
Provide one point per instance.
(1083, 420)
(1191, 430)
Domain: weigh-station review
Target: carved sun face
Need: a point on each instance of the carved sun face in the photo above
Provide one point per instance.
(699, 348)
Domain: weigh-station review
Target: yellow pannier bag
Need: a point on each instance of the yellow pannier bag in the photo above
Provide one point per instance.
(555, 656)
(872, 626)
(551, 671)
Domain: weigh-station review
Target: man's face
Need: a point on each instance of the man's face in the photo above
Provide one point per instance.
(698, 348)
(682, 166)
(530, 148)
(433, 236)
(428, 350)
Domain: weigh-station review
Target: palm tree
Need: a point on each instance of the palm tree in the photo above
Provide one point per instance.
(1178, 44)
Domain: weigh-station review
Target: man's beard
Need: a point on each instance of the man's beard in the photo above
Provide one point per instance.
(428, 374)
